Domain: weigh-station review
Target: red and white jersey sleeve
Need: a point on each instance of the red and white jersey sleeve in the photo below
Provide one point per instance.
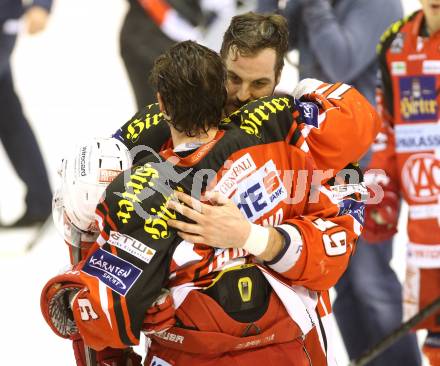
(319, 243)
(345, 127)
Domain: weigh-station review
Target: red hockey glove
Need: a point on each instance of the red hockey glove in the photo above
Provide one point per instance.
(160, 316)
(55, 303)
(381, 219)
(106, 357)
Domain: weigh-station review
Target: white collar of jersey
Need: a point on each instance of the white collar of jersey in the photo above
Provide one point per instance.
(187, 146)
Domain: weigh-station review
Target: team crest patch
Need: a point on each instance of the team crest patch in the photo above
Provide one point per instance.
(418, 99)
(112, 271)
(309, 113)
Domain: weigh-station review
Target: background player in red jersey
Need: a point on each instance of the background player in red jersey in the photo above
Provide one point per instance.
(407, 150)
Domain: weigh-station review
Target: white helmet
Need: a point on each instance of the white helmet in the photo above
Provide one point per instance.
(85, 174)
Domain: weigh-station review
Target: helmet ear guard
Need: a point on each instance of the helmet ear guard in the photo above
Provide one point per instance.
(85, 174)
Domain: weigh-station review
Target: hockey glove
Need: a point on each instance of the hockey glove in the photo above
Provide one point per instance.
(106, 357)
(160, 316)
(55, 303)
(381, 219)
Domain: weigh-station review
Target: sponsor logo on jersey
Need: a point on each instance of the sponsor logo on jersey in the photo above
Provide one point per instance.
(423, 256)
(431, 67)
(421, 177)
(352, 190)
(256, 342)
(107, 175)
(416, 56)
(417, 137)
(398, 68)
(309, 113)
(114, 272)
(140, 179)
(238, 170)
(151, 118)
(352, 198)
(156, 221)
(131, 246)
(260, 192)
(418, 99)
(171, 337)
(82, 161)
(157, 361)
(253, 118)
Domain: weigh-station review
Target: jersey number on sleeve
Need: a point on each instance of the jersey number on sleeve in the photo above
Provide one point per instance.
(335, 243)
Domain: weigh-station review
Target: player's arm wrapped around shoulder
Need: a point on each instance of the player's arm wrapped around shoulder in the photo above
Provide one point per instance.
(338, 122)
(320, 242)
(145, 133)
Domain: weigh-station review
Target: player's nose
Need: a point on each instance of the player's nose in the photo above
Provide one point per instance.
(243, 94)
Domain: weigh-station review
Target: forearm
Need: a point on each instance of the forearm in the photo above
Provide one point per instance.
(46, 4)
(342, 45)
(275, 245)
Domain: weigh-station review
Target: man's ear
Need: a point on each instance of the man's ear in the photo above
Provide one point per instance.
(162, 106)
(160, 101)
(278, 77)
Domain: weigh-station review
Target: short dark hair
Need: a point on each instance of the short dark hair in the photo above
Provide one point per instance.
(250, 33)
(191, 80)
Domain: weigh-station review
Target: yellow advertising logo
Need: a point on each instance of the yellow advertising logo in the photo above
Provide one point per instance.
(410, 106)
(156, 225)
(141, 178)
(252, 119)
(135, 128)
(245, 288)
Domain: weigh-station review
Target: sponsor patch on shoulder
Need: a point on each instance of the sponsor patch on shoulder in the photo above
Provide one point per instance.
(114, 272)
(309, 113)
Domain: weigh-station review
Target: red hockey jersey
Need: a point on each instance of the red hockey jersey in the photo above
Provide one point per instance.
(269, 174)
(339, 126)
(408, 147)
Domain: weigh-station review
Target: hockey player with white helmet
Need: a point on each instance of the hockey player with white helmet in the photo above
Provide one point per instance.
(84, 175)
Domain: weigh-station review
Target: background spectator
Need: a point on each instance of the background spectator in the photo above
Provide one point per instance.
(151, 27)
(15, 133)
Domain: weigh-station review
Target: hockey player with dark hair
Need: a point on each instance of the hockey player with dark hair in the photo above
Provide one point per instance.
(230, 306)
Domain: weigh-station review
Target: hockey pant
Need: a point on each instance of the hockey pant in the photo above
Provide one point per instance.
(207, 335)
